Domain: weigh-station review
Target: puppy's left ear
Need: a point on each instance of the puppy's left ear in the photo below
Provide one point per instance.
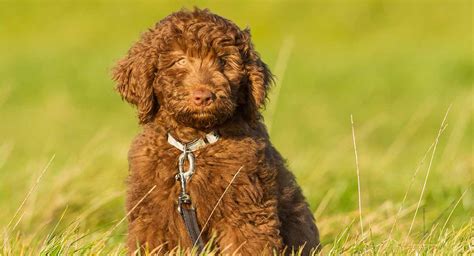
(259, 77)
(135, 75)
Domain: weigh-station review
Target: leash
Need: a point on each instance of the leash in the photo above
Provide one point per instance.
(185, 206)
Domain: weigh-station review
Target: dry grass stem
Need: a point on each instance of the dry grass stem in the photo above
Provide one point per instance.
(420, 164)
(126, 216)
(428, 171)
(218, 201)
(279, 71)
(29, 194)
(358, 177)
(454, 208)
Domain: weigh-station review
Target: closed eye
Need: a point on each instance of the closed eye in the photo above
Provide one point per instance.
(181, 62)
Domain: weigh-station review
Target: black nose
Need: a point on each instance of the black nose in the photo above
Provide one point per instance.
(202, 97)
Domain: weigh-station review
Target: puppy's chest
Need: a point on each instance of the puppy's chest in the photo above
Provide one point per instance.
(213, 165)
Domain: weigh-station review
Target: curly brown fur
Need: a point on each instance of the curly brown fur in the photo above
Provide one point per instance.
(185, 56)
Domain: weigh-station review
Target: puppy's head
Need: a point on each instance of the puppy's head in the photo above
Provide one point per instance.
(197, 66)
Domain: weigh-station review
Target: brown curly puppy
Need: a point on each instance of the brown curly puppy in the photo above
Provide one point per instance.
(195, 73)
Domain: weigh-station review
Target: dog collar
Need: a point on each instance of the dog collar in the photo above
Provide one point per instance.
(187, 150)
(210, 138)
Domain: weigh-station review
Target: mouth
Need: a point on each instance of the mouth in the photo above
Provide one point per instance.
(204, 116)
(201, 116)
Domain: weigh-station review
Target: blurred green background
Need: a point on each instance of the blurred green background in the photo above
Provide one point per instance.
(396, 66)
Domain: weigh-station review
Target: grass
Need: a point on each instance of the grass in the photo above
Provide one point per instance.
(396, 66)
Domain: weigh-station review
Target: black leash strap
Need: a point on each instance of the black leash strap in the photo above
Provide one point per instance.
(188, 213)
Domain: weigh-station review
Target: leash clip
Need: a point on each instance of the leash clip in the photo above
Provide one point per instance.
(184, 176)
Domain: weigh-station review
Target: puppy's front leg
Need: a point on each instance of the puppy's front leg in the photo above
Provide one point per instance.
(250, 224)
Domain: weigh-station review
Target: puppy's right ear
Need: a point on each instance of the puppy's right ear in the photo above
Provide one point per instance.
(134, 76)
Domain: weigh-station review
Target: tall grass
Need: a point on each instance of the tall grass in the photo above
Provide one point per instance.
(381, 222)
